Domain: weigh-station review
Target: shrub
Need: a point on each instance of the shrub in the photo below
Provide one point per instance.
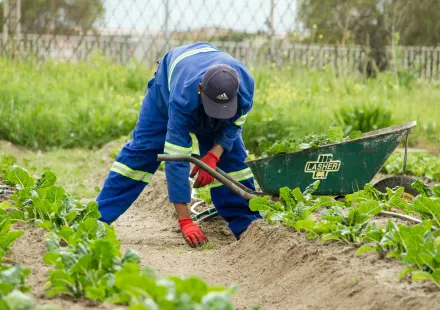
(364, 118)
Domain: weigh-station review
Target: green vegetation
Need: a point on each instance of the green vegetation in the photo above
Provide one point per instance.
(77, 14)
(417, 246)
(75, 168)
(363, 118)
(86, 254)
(52, 106)
(46, 105)
(418, 164)
(374, 25)
(204, 194)
(59, 105)
(293, 102)
(333, 135)
(12, 277)
(13, 284)
(371, 23)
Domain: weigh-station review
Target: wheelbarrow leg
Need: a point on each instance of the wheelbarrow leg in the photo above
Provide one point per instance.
(405, 156)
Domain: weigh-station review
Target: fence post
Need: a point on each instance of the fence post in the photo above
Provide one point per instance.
(5, 20)
(12, 21)
(271, 25)
(165, 26)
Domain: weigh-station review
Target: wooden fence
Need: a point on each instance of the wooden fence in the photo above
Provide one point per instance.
(343, 59)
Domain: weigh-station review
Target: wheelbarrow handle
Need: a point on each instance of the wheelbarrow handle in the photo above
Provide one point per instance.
(218, 174)
(246, 189)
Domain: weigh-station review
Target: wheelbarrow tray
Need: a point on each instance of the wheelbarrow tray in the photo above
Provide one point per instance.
(342, 168)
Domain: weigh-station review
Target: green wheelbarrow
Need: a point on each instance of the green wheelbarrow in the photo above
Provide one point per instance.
(342, 168)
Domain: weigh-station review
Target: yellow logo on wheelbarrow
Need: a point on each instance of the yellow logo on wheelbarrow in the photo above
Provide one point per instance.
(322, 166)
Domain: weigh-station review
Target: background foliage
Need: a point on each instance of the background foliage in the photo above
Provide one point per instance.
(373, 23)
(62, 16)
(86, 104)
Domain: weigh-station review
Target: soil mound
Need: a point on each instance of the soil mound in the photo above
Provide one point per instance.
(290, 272)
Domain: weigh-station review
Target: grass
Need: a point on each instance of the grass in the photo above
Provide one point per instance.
(64, 105)
(295, 102)
(79, 171)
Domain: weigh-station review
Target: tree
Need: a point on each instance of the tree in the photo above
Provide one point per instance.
(341, 21)
(417, 22)
(59, 16)
(351, 22)
(372, 23)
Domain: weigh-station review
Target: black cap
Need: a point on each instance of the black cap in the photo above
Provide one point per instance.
(219, 91)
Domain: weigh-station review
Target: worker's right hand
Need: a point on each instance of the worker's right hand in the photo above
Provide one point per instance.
(192, 233)
(204, 178)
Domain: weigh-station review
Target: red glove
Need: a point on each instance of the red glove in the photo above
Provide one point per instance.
(192, 233)
(204, 177)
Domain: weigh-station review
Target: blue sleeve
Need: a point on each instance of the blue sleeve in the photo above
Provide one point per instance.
(178, 142)
(232, 130)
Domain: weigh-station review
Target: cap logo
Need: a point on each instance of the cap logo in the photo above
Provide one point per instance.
(222, 97)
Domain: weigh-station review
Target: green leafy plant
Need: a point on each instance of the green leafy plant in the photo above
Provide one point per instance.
(86, 266)
(422, 188)
(7, 237)
(349, 228)
(12, 277)
(363, 118)
(407, 76)
(418, 164)
(91, 266)
(204, 194)
(6, 161)
(140, 287)
(86, 256)
(46, 204)
(333, 135)
(418, 246)
(393, 198)
(427, 205)
(294, 206)
(295, 209)
(16, 300)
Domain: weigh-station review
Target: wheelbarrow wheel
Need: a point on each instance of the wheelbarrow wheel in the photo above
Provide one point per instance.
(398, 181)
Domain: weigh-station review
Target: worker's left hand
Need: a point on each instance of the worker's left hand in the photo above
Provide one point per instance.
(192, 233)
(204, 178)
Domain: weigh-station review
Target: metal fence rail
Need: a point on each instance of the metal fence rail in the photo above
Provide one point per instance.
(257, 32)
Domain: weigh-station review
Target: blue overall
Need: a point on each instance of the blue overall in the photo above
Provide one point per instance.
(171, 110)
